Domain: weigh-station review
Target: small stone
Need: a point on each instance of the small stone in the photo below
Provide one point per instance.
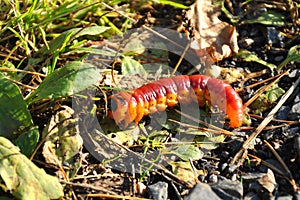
(227, 189)
(158, 191)
(297, 195)
(140, 188)
(294, 113)
(234, 177)
(297, 147)
(283, 112)
(202, 191)
(287, 197)
(250, 181)
(213, 178)
(278, 58)
(223, 166)
(295, 73)
(251, 196)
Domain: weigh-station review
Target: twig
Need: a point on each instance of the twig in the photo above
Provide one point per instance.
(278, 171)
(166, 171)
(19, 83)
(181, 57)
(279, 159)
(109, 196)
(20, 70)
(224, 132)
(247, 144)
(257, 83)
(263, 90)
(98, 188)
(205, 123)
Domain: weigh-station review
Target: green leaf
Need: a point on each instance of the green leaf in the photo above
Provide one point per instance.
(131, 66)
(264, 101)
(24, 179)
(28, 140)
(252, 57)
(56, 43)
(14, 115)
(269, 18)
(8, 65)
(94, 51)
(187, 151)
(293, 55)
(93, 30)
(62, 40)
(72, 78)
(134, 45)
(171, 3)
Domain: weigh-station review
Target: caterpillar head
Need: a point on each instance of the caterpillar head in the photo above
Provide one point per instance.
(122, 108)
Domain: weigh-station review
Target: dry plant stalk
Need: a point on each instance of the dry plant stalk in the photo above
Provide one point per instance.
(240, 156)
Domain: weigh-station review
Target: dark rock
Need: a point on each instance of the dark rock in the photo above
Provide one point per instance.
(227, 189)
(250, 181)
(283, 112)
(202, 191)
(158, 191)
(297, 147)
(274, 37)
(274, 163)
(297, 195)
(251, 196)
(294, 113)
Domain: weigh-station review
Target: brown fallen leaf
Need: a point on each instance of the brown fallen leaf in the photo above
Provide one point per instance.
(214, 39)
(184, 171)
(268, 181)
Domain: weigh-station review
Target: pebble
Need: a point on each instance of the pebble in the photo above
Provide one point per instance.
(227, 189)
(202, 191)
(213, 178)
(297, 195)
(287, 197)
(274, 163)
(297, 147)
(294, 74)
(251, 196)
(294, 113)
(282, 113)
(223, 166)
(158, 191)
(250, 181)
(278, 58)
(274, 37)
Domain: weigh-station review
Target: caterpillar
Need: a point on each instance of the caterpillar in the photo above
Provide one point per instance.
(127, 107)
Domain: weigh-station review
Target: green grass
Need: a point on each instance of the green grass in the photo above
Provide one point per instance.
(29, 26)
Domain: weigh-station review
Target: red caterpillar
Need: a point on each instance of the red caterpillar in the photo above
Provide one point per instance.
(168, 92)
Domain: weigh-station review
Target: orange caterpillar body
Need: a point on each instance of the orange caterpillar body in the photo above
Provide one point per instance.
(156, 96)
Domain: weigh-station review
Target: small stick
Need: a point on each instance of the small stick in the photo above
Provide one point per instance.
(242, 153)
(263, 90)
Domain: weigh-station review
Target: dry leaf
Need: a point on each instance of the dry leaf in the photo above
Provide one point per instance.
(184, 171)
(268, 181)
(229, 75)
(63, 141)
(214, 39)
